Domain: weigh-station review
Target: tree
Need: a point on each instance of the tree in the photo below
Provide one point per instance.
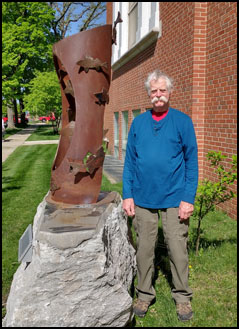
(44, 95)
(29, 31)
(86, 13)
(210, 194)
(27, 45)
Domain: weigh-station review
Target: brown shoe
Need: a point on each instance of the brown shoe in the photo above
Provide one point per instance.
(184, 311)
(140, 307)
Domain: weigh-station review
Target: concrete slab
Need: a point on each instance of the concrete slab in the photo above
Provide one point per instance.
(41, 142)
(12, 142)
(113, 169)
(66, 226)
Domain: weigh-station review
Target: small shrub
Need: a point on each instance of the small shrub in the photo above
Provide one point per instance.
(210, 194)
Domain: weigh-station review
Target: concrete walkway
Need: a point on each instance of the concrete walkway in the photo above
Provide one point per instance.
(12, 142)
(112, 168)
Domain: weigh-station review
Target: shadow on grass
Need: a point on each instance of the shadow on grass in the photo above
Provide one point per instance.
(11, 188)
(206, 243)
(46, 133)
(22, 125)
(161, 254)
(11, 184)
(161, 261)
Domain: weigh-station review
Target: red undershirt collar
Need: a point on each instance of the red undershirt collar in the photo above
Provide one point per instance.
(159, 115)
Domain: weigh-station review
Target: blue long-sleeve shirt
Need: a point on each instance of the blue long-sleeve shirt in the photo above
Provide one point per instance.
(161, 163)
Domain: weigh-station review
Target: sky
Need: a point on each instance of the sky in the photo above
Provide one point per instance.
(74, 26)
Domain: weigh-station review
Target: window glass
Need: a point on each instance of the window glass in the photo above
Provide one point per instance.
(116, 134)
(133, 23)
(124, 132)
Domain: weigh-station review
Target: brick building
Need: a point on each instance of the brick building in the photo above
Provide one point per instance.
(196, 44)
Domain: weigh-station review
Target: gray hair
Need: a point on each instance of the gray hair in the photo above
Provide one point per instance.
(156, 75)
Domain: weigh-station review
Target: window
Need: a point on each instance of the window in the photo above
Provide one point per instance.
(133, 23)
(140, 28)
(136, 113)
(116, 135)
(124, 132)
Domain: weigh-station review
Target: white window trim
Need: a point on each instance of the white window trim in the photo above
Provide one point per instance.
(144, 43)
(147, 33)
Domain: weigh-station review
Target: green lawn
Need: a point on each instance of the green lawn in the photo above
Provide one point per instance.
(11, 131)
(25, 181)
(213, 274)
(43, 133)
(213, 278)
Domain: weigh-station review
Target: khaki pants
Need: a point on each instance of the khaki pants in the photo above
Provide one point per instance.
(175, 235)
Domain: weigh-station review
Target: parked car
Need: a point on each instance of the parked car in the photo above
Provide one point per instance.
(5, 119)
(47, 118)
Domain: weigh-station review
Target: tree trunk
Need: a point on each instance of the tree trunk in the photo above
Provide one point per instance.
(14, 102)
(10, 114)
(21, 105)
(23, 118)
(22, 113)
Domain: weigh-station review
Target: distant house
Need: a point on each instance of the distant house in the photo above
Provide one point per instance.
(196, 44)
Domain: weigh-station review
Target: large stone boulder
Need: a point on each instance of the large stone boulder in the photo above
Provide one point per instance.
(82, 268)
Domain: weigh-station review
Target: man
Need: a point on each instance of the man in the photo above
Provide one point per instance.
(161, 173)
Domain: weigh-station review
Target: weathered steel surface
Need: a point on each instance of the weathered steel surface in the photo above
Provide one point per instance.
(83, 65)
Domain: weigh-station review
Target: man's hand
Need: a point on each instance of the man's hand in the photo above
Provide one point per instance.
(185, 210)
(128, 206)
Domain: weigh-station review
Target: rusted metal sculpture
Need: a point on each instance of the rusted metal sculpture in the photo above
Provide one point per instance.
(83, 65)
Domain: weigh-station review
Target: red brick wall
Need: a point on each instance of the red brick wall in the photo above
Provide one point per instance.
(199, 76)
(220, 131)
(198, 50)
(172, 53)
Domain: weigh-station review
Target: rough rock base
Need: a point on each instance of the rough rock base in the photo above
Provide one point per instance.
(81, 271)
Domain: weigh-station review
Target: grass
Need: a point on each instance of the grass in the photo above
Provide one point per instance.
(11, 131)
(25, 181)
(43, 133)
(107, 186)
(213, 279)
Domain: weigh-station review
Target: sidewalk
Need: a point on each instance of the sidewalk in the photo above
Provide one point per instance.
(12, 142)
(112, 168)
